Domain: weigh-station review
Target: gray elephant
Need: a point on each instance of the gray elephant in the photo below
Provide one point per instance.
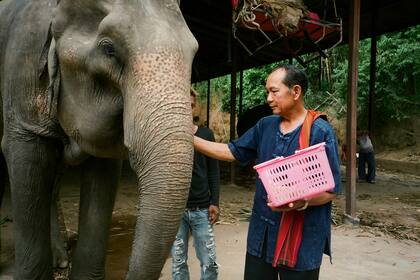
(93, 82)
(2, 161)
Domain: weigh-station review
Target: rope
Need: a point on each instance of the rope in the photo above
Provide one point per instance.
(335, 9)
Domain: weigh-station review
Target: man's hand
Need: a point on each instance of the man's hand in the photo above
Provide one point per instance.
(319, 199)
(288, 207)
(214, 213)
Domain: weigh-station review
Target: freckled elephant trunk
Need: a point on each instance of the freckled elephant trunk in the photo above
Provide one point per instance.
(157, 132)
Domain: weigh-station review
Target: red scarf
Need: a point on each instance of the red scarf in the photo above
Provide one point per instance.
(291, 224)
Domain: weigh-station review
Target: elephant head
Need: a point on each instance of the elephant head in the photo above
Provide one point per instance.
(120, 75)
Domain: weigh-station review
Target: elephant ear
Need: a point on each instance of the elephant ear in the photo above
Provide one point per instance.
(43, 58)
(53, 77)
(48, 65)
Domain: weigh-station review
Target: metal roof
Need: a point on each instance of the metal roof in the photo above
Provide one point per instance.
(211, 23)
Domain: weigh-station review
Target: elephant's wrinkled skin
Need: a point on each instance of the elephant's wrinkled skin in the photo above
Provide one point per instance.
(3, 173)
(93, 82)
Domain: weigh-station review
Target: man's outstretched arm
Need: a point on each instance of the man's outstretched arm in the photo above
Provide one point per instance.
(211, 149)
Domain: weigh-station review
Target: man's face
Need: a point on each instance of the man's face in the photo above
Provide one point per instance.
(280, 98)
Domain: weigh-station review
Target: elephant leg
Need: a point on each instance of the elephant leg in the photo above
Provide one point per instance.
(59, 252)
(32, 165)
(97, 196)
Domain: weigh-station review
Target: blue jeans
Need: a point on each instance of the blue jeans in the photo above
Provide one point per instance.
(196, 222)
(368, 158)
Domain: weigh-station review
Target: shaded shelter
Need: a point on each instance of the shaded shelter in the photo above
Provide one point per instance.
(211, 23)
(220, 53)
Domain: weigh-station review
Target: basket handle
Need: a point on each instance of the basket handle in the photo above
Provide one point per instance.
(310, 147)
(267, 162)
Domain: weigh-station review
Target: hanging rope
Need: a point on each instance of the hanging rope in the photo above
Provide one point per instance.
(245, 14)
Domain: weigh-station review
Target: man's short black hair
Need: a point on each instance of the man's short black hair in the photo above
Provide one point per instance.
(294, 76)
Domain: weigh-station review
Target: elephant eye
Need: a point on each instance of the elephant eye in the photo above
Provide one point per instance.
(107, 47)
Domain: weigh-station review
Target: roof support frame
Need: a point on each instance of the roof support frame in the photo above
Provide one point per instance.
(233, 76)
(354, 32)
(372, 74)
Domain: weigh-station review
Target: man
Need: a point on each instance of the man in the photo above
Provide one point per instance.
(366, 155)
(273, 136)
(200, 215)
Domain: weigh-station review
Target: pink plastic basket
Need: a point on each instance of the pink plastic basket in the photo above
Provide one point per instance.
(299, 176)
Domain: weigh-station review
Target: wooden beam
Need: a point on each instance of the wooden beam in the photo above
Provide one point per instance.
(372, 77)
(354, 32)
(233, 52)
(241, 90)
(233, 91)
(208, 103)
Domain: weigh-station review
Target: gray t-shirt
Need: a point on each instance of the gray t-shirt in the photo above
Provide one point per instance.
(365, 145)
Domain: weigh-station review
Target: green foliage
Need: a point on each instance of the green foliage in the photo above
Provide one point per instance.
(219, 86)
(397, 76)
(253, 88)
(397, 79)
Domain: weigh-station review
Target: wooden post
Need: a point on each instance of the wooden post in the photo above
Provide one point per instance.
(233, 103)
(208, 103)
(241, 90)
(372, 78)
(354, 26)
(372, 81)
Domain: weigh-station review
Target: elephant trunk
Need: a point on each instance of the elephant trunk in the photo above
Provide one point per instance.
(157, 133)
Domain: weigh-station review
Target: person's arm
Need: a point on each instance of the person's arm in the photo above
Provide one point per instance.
(214, 214)
(213, 175)
(214, 150)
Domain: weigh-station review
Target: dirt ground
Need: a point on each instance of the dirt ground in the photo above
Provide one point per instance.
(386, 244)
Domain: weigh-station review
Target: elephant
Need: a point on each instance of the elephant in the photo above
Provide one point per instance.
(3, 172)
(91, 83)
(3, 181)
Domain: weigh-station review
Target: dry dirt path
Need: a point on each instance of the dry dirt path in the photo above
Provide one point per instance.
(357, 255)
(385, 246)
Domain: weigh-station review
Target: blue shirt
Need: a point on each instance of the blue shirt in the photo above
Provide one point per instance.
(264, 142)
